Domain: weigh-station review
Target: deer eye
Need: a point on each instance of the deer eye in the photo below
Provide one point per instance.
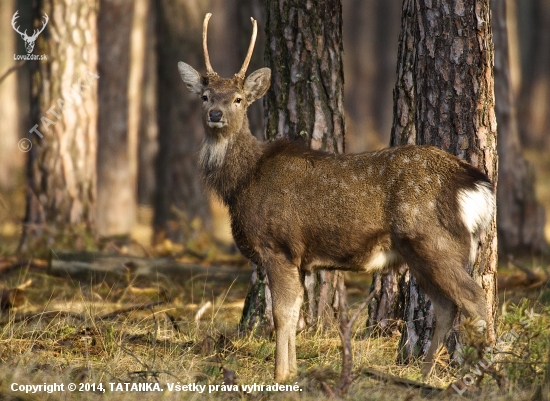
(204, 98)
(238, 100)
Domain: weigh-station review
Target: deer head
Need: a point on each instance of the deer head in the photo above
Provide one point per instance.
(29, 40)
(225, 100)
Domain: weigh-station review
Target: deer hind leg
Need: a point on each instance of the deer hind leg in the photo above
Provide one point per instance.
(445, 314)
(446, 282)
(287, 296)
(458, 291)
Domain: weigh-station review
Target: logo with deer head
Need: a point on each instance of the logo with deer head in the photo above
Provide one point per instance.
(29, 40)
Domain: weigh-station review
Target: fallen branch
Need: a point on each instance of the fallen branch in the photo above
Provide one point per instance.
(425, 388)
(23, 317)
(5, 268)
(80, 316)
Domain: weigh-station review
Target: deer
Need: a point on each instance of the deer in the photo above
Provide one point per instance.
(29, 40)
(295, 210)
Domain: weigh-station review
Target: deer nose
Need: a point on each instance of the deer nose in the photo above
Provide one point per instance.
(215, 116)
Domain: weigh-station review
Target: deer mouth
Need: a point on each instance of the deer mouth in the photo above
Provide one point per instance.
(217, 124)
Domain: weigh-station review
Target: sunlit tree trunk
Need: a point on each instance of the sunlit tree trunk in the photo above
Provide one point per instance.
(116, 173)
(444, 96)
(61, 192)
(305, 102)
(10, 157)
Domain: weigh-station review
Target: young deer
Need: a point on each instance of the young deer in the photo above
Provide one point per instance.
(294, 210)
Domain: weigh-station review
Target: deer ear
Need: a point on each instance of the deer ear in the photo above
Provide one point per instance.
(191, 78)
(257, 84)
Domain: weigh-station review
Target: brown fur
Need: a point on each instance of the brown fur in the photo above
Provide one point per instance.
(294, 209)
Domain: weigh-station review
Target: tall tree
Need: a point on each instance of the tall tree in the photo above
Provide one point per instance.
(534, 96)
(61, 167)
(305, 102)
(444, 96)
(373, 27)
(148, 128)
(180, 197)
(116, 173)
(10, 157)
(520, 217)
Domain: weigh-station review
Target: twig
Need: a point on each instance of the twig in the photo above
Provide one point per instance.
(328, 390)
(530, 275)
(17, 65)
(345, 335)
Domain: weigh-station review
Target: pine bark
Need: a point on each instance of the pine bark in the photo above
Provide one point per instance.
(180, 197)
(444, 96)
(304, 50)
(61, 169)
(116, 173)
(520, 217)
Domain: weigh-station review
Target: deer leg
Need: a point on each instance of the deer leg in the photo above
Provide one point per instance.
(287, 295)
(442, 275)
(461, 291)
(445, 314)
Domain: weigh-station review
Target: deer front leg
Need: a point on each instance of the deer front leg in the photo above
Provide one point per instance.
(287, 295)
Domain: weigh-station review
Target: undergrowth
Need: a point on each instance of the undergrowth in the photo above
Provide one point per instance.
(165, 343)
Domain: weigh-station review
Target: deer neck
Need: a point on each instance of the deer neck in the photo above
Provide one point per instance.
(228, 162)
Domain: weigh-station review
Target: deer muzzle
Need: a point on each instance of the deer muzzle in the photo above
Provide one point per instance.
(215, 119)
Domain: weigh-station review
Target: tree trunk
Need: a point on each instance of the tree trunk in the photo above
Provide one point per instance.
(180, 197)
(116, 177)
(61, 167)
(444, 96)
(534, 98)
(10, 157)
(148, 128)
(520, 217)
(371, 29)
(305, 102)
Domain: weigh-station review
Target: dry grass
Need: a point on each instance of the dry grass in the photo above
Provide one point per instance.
(167, 345)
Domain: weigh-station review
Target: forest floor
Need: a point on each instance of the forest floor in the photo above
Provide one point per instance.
(180, 332)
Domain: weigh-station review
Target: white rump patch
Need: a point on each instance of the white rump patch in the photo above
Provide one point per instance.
(476, 207)
(213, 152)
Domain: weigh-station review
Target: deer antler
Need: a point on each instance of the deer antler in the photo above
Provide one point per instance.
(243, 69)
(38, 31)
(209, 70)
(16, 28)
